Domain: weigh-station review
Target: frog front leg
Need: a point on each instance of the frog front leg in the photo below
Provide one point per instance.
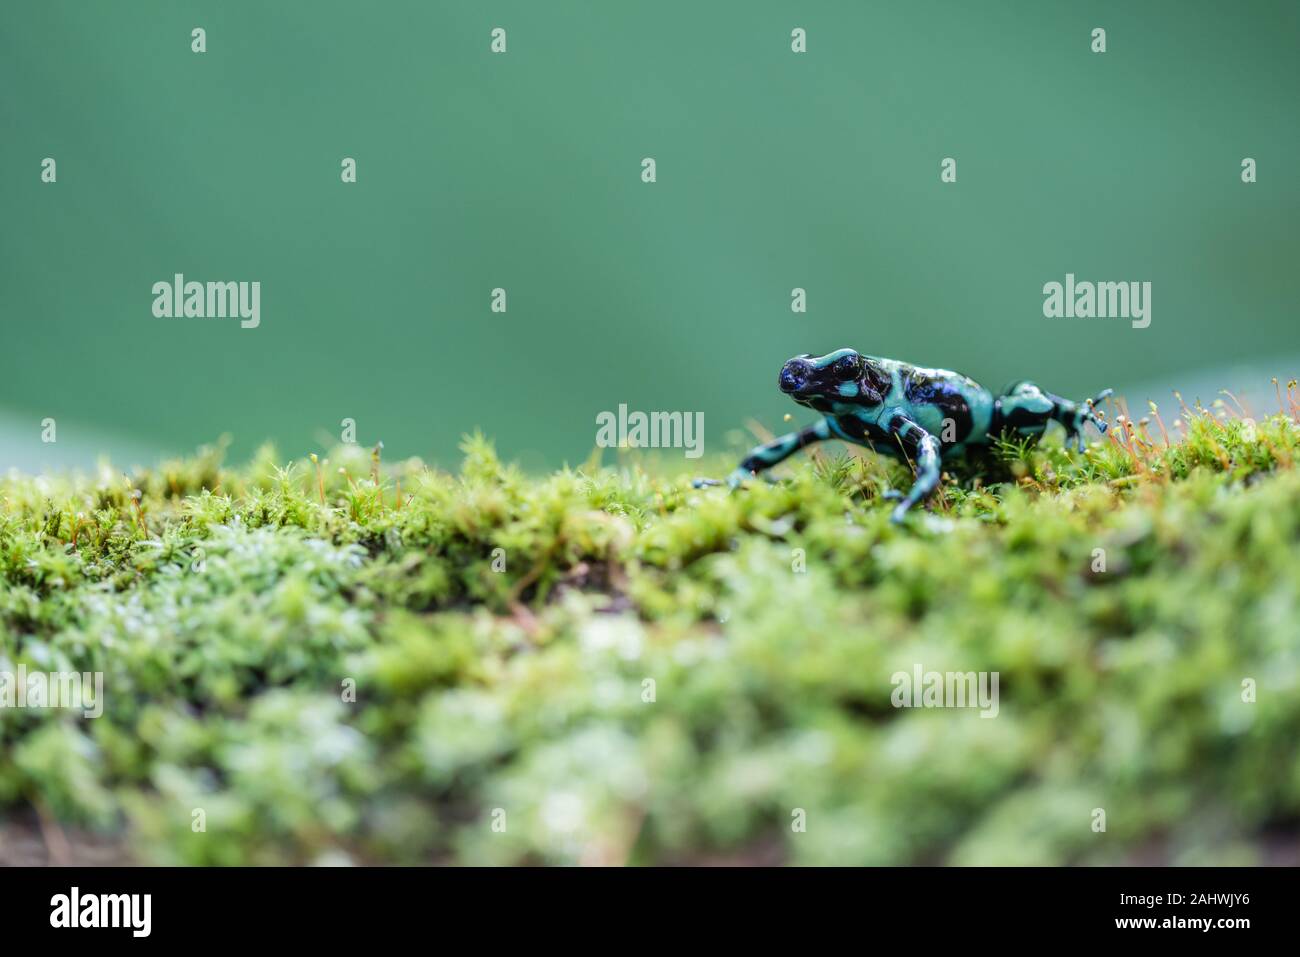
(763, 457)
(924, 451)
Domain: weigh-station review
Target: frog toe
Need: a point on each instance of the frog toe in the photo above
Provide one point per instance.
(733, 481)
(738, 478)
(1092, 404)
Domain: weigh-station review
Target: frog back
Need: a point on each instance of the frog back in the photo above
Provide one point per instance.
(952, 407)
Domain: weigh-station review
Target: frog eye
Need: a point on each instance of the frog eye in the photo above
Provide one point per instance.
(846, 367)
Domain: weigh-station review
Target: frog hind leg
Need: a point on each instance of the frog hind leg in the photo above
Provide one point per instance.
(1025, 409)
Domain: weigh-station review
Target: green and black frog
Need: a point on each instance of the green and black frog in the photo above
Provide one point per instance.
(922, 416)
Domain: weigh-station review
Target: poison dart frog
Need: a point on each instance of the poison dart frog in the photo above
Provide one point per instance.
(922, 416)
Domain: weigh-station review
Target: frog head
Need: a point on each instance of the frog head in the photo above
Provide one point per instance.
(843, 377)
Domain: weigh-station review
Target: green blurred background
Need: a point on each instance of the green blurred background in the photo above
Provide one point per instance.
(522, 170)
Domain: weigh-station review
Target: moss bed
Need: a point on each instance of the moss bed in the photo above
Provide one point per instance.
(355, 660)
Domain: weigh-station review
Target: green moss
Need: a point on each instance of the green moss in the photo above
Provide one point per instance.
(504, 632)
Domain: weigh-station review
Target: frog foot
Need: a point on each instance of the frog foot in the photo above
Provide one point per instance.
(1090, 407)
(1084, 413)
(901, 509)
(733, 481)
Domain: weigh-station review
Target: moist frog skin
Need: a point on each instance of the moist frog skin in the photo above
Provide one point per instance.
(919, 415)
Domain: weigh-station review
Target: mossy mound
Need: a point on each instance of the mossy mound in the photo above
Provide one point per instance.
(385, 663)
